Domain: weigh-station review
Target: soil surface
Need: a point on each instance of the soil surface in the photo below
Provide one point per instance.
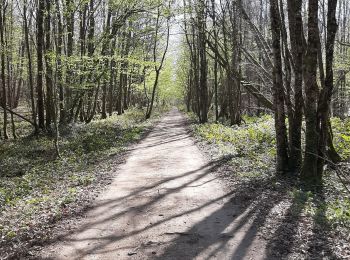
(165, 202)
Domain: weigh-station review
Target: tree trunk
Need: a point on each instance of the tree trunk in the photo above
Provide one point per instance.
(215, 62)
(40, 63)
(30, 70)
(159, 67)
(203, 68)
(309, 169)
(59, 46)
(2, 71)
(69, 17)
(326, 92)
(278, 90)
(296, 39)
(48, 76)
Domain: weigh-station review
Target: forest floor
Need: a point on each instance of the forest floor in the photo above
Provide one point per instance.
(186, 191)
(165, 202)
(40, 194)
(297, 220)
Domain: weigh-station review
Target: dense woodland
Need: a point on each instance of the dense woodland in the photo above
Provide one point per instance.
(74, 61)
(289, 57)
(65, 63)
(71, 61)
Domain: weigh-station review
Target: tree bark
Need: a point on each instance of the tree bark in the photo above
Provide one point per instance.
(62, 111)
(50, 109)
(3, 78)
(30, 70)
(326, 92)
(309, 169)
(40, 65)
(278, 90)
(159, 67)
(296, 39)
(203, 69)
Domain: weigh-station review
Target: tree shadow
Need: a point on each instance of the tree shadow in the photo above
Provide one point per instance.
(294, 237)
(231, 229)
(282, 241)
(197, 177)
(320, 244)
(230, 237)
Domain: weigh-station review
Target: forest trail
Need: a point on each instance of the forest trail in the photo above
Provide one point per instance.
(164, 203)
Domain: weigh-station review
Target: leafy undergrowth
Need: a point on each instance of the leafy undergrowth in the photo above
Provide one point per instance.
(298, 221)
(252, 142)
(341, 132)
(37, 188)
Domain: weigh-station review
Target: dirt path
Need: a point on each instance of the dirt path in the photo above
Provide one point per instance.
(164, 203)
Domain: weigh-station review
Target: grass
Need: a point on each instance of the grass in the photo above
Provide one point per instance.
(36, 186)
(25, 159)
(341, 132)
(252, 142)
(251, 148)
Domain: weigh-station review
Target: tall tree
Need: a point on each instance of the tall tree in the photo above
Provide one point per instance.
(48, 73)
(59, 47)
(297, 43)
(30, 69)
(326, 92)
(40, 67)
(278, 90)
(203, 65)
(2, 70)
(309, 170)
(158, 67)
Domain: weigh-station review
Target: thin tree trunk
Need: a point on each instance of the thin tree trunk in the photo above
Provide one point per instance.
(30, 70)
(40, 63)
(69, 18)
(215, 62)
(62, 111)
(160, 66)
(2, 56)
(48, 76)
(326, 92)
(203, 70)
